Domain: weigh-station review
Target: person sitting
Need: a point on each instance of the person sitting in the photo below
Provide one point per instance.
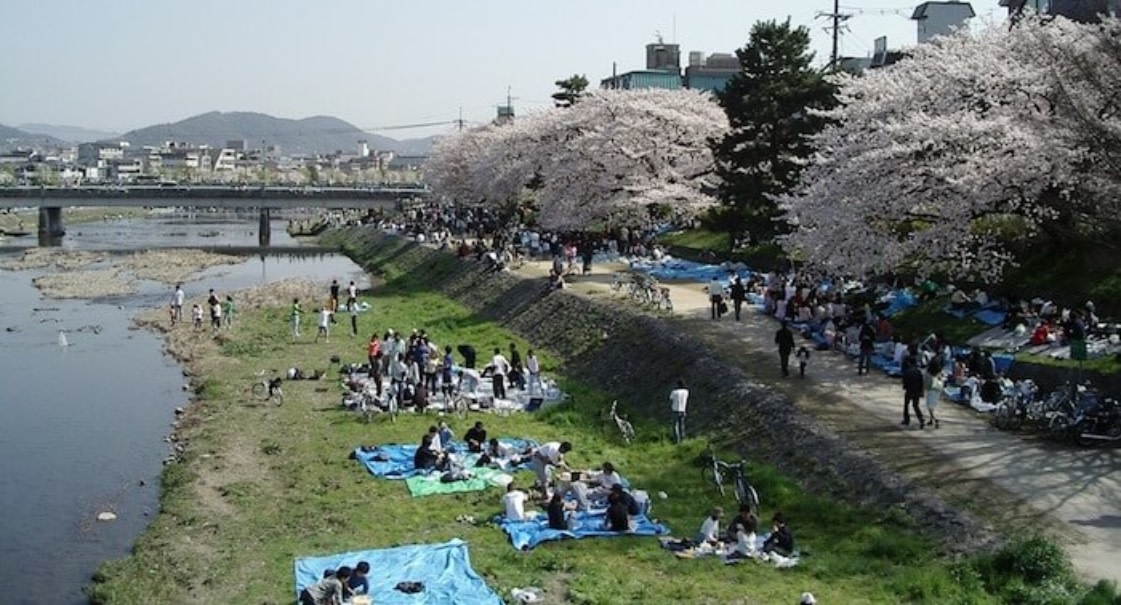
(1041, 335)
(960, 301)
(741, 533)
(476, 437)
(618, 518)
(445, 434)
(358, 584)
(710, 529)
(628, 499)
(513, 504)
(426, 456)
(328, 591)
(558, 513)
(434, 437)
(608, 478)
(781, 541)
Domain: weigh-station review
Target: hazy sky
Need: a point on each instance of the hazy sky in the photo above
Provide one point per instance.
(122, 64)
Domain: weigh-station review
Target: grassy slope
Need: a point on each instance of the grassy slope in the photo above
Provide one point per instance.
(263, 485)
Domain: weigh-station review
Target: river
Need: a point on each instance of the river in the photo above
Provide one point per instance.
(84, 425)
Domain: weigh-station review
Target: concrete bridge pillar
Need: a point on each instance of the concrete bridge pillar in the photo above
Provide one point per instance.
(50, 223)
(264, 228)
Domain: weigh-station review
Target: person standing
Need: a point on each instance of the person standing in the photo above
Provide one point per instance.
(912, 391)
(294, 317)
(352, 296)
(678, 402)
(353, 319)
(501, 367)
(533, 367)
(324, 324)
(228, 312)
(715, 296)
(803, 356)
(177, 301)
(739, 294)
(373, 355)
(215, 307)
(517, 377)
(867, 339)
(334, 290)
(784, 338)
(546, 457)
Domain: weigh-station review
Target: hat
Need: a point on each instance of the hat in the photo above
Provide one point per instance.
(807, 599)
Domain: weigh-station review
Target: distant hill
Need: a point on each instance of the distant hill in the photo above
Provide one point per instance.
(318, 134)
(14, 138)
(73, 134)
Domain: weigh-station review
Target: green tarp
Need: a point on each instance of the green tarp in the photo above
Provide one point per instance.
(427, 485)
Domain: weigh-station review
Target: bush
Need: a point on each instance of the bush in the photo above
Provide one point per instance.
(1103, 593)
(1036, 560)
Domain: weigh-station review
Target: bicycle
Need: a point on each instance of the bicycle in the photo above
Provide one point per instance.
(268, 390)
(715, 471)
(626, 429)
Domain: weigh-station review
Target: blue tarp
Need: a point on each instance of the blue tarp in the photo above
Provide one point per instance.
(958, 313)
(395, 460)
(525, 535)
(898, 301)
(444, 570)
(682, 270)
(991, 317)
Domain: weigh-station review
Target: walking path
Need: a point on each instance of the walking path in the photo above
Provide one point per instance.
(1014, 481)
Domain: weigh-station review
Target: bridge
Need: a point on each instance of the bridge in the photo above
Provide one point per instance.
(51, 200)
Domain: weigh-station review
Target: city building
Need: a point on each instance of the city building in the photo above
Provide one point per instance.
(710, 73)
(940, 18)
(90, 153)
(663, 70)
(1087, 11)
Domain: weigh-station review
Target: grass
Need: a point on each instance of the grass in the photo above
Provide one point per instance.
(261, 485)
(11, 221)
(699, 239)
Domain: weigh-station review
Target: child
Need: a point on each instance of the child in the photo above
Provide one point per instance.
(171, 312)
(803, 356)
(324, 322)
(196, 316)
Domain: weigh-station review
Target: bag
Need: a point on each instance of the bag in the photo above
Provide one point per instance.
(722, 308)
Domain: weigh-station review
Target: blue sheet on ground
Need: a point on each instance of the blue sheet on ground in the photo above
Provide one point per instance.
(991, 317)
(958, 313)
(1002, 362)
(525, 535)
(395, 460)
(443, 569)
(674, 269)
(898, 300)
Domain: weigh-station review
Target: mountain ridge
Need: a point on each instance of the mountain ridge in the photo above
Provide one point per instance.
(66, 132)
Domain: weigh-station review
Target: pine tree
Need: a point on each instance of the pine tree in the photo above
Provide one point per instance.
(768, 105)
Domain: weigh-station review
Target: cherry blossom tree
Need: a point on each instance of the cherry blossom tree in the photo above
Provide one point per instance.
(608, 158)
(931, 163)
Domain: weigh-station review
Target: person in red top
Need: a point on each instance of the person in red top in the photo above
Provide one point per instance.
(373, 354)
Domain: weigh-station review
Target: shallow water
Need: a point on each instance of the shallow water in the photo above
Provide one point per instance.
(84, 425)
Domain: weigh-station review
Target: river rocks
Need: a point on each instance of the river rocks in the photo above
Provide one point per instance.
(643, 357)
(94, 283)
(175, 266)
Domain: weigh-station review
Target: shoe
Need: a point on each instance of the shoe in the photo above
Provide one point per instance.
(922, 425)
(906, 423)
(935, 424)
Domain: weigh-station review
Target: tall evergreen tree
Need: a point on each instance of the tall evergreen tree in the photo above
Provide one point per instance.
(768, 105)
(571, 89)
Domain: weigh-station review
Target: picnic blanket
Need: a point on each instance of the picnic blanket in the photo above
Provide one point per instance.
(897, 302)
(395, 460)
(999, 338)
(991, 317)
(525, 535)
(706, 550)
(443, 569)
(433, 483)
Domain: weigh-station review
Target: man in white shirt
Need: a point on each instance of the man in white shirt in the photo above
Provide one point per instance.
(533, 368)
(710, 529)
(678, 400)
(715, 296)
(513, 504)
(324, 323)
(549, 455)
(501, 369)
(177, 302)
(352, 296)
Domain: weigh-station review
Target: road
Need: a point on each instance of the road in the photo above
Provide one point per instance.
(1015, 481)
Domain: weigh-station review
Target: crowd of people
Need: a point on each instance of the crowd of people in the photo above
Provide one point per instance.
(220, 313)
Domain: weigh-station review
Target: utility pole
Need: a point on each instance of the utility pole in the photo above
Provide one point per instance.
(460, 120)
(837, 18)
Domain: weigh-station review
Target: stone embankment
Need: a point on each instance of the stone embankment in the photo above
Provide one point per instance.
(637, 358)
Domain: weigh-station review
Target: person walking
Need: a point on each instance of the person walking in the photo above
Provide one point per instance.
(784, 338)
(739, 294)
(803, 356)
(912, 391)
(932, 382)
(533, 367)
(324, 324)
(352, 296)
(678, 402)
(353, 319)
(334, 290)
(294, 317)
(373, 356)
(715, 296)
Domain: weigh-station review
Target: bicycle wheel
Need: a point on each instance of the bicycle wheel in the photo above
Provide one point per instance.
(460, 403)
(746, 494)
(1002, 416)
(627, 429)
(278, 396)
(710, 474)
(260, 391)
(393, 408)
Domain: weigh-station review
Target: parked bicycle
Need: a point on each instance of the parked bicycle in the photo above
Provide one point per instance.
(625, 428)
(268, 389)
(718, 473)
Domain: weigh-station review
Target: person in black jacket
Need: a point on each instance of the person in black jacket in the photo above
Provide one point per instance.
(867, 339)
(912, 391)
(738, 293)
(784, 338)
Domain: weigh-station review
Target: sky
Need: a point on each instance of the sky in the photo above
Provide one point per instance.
(121, 64)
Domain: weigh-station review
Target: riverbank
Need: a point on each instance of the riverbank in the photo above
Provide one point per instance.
(27, 221)
(71, 274)
(258, 486)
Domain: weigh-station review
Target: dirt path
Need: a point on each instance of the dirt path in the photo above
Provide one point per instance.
(1016, 482)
